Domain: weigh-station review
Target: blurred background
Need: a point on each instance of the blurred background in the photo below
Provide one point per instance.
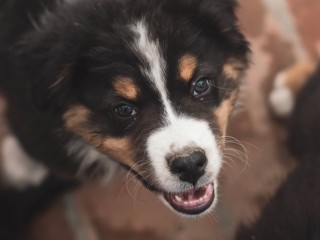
(281, 32)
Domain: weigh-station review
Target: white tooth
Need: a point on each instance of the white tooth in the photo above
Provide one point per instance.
(186, 203)
(179, 199)
(201, 199)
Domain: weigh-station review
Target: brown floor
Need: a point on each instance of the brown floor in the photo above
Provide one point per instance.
(280, 32)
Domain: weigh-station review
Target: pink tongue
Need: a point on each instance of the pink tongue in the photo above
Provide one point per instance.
(195, 199)
(192, 195)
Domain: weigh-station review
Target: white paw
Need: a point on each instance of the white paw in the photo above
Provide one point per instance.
(281, 98)
(18, 169)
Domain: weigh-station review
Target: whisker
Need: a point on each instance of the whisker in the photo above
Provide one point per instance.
(222, 88)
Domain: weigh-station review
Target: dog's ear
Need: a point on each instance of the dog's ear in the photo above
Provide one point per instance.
(51, 87)
(223, 4)
(219, 16)
(49, 66)
(221, 9)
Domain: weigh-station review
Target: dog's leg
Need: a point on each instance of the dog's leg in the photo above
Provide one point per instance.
(27, 189)
(19, 170)
(294, 212)
(19, 208)
(287, 85)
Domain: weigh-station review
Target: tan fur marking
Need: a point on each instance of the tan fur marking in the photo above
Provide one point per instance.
(77, 121)
(75, 116)
(65, 72)
(126, 88)
(298, 74)
(187, 66)
(233, 69)
(223, 112)
(119, 148)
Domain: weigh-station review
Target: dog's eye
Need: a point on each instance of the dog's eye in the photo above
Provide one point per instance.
(200, 87)
(125, 111)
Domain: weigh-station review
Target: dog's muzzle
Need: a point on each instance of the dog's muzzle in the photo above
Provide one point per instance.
(189, 167)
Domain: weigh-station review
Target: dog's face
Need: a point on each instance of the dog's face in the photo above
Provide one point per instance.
(150, 84)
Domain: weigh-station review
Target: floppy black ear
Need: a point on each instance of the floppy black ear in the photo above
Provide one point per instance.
(226, 4)
(223, 9)
(49, 67)
(220, 16)
(52, 87)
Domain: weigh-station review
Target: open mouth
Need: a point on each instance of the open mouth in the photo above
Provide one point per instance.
(192, 202)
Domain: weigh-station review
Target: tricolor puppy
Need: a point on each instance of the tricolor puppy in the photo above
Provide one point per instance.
(147, 84)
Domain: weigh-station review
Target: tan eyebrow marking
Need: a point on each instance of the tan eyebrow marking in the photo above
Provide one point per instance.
(125, 87)
(234, 68)
(187, 66)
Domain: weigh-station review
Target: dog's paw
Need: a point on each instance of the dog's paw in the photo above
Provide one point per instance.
(286, 87)
(281, 97)
(18, 169)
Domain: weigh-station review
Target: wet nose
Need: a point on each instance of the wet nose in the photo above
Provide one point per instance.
(189, 168)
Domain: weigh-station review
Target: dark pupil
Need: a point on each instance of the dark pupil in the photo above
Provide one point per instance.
(201, 86)
(124, 110)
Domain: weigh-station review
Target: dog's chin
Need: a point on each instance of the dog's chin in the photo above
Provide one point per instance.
(194, 202)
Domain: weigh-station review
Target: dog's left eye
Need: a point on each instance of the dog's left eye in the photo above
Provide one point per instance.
(200, 87)
(125, 111)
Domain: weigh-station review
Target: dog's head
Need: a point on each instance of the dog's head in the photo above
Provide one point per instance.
(150, 84)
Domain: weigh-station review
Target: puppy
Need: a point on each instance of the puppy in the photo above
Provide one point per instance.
(287, 86)
(145, 84)
(294, 212)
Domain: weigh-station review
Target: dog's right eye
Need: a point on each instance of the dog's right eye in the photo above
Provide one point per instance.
(125, 111)
(200, 87)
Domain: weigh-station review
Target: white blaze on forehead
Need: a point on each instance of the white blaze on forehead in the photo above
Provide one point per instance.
(180, 132)
(149, 51)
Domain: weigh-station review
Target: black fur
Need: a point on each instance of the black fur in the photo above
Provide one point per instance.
(18, 208)
(294, 212)
(84, 36)
(91, 41)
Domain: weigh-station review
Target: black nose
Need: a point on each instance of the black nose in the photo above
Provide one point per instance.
(189, 168)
